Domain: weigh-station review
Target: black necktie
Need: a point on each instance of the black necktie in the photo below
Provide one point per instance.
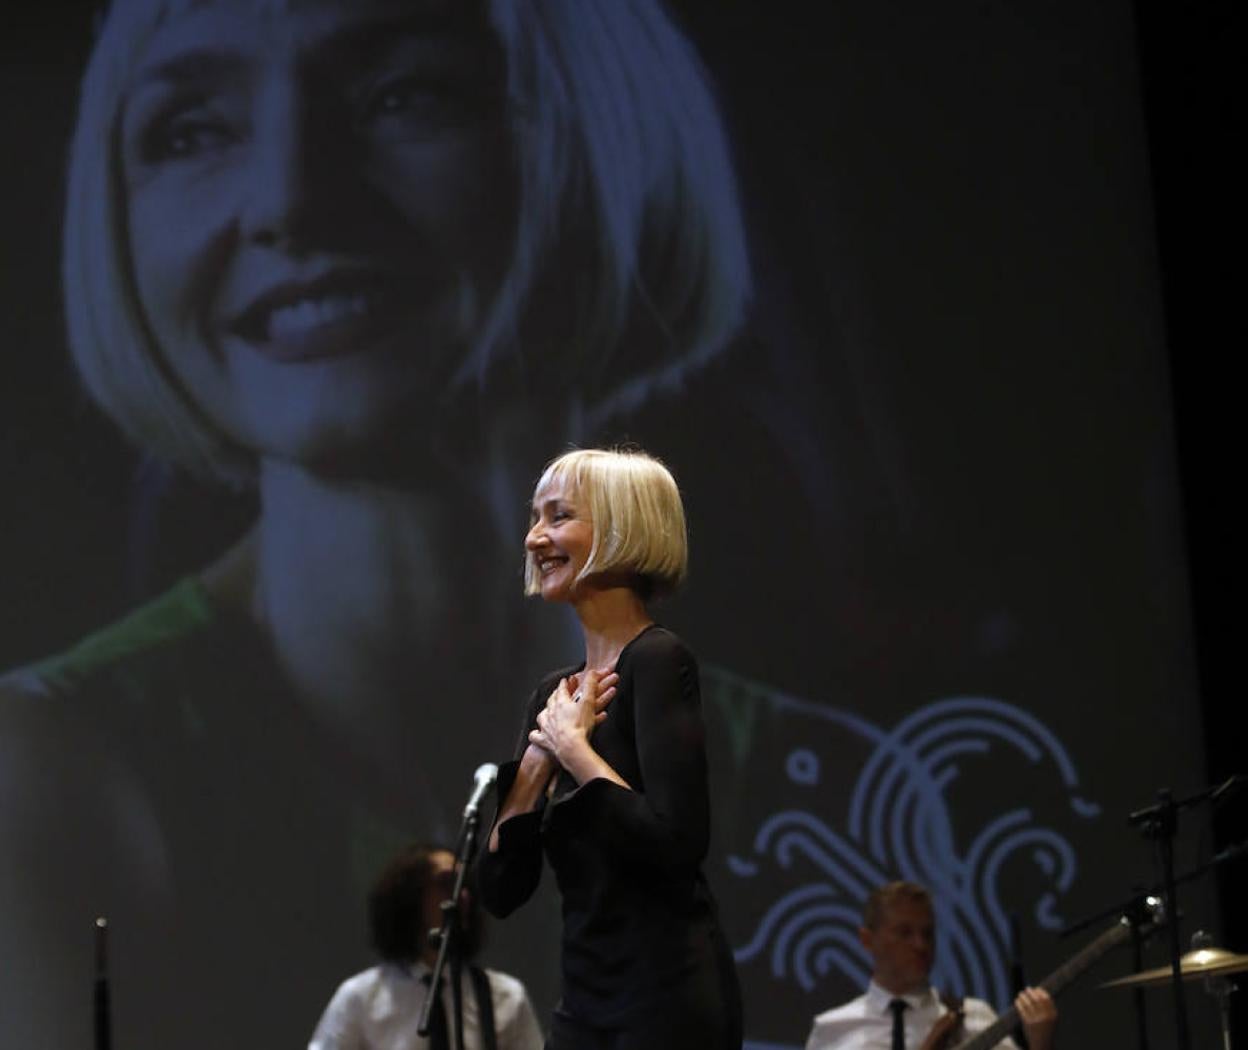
(898, 1007)
(439, 1036)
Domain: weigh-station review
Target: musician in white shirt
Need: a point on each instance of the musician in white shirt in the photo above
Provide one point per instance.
(898, 932)
(379, 1009)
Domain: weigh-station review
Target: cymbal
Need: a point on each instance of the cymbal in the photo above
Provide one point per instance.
(1200, 962)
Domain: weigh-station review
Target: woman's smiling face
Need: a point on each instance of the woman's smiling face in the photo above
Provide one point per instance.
(559, 540)
(320, 205)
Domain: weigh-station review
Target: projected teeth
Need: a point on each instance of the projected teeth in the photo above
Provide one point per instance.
(308, 315)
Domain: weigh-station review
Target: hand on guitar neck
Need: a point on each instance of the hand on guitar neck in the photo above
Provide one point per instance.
(1038, 1012)
(945, 1032)
(1035, 1008)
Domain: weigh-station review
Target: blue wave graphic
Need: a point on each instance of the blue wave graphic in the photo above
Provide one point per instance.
(899, 825)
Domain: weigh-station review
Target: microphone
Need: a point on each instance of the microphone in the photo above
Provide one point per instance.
(482, 780)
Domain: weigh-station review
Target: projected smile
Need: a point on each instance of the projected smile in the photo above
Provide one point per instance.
(334, 314)
(309, 314)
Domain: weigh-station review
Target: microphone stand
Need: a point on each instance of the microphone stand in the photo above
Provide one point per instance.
(1160, 822)
(1239, 849)
(1131, 906)
(448, 941)
(103, 1025)
(1137, 908)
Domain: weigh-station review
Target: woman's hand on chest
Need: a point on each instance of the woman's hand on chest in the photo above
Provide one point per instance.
(574, 708)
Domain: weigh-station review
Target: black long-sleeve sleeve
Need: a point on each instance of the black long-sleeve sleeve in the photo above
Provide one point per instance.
(510, 875)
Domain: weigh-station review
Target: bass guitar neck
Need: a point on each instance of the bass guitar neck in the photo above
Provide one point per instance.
(1057, 981)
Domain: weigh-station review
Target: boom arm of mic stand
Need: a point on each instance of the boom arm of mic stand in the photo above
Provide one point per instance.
(1233, 851)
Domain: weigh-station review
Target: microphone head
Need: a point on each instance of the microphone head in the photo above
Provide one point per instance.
(482, 783)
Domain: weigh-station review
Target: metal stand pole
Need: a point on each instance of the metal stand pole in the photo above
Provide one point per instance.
(1222, 988)
(103, 1019)
(450, 918)
(1163, 830)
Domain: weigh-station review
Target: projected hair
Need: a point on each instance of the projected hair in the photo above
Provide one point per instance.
(629, 263)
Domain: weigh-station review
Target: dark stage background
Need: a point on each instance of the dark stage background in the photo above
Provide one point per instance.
(946, 538)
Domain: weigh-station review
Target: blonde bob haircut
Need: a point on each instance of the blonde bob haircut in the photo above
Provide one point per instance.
(624, 185)
(637, 516)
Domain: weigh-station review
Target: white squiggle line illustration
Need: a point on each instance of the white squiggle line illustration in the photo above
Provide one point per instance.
(899, 825)
(802, 896)
(783, 831)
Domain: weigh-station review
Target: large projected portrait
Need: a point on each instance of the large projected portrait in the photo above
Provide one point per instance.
(338, 277)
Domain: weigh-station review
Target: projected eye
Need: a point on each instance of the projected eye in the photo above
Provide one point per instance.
(417, 103)
(184, 133)
(401, 96)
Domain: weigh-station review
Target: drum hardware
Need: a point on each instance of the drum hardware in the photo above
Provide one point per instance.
(1158, 822)
(1200, 962)
(1204, 961)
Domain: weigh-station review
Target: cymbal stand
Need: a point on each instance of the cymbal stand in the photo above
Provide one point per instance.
(1220, 987)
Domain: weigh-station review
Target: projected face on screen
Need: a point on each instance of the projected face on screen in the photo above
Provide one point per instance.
(318, 202)
(322, 222)
(379, 260)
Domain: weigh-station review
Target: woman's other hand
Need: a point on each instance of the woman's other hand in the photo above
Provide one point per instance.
(577, 704)
(541, 757)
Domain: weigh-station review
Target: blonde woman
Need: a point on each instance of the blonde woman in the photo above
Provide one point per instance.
(610, 780)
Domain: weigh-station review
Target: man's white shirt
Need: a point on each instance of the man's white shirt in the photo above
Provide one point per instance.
(866, 1023)
(379, 1009)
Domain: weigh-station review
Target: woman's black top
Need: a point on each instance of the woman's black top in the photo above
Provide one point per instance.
(638, 918)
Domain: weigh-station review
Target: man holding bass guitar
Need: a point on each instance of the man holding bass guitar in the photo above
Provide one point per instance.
(900, 1008)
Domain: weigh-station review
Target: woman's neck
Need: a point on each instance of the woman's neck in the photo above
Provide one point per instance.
(611, 617)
